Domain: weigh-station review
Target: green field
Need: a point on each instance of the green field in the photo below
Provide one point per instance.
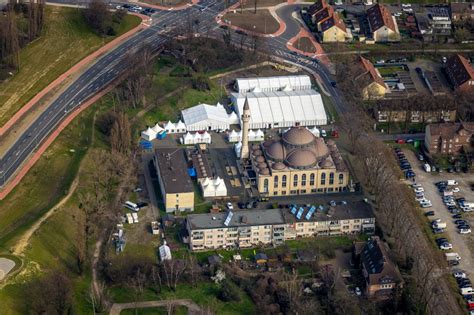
(65, 40)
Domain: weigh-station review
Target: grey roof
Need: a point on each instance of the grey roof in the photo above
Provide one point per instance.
(173, 170)
(243, 218)
(240, 218)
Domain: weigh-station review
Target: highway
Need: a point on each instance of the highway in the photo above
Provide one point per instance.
(110, 66)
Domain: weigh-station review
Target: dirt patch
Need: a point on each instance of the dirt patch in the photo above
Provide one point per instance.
(261, 22)
(262, 3)
(305, 44)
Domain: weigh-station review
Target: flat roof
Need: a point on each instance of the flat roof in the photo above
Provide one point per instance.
(173, 170)
(244, 218)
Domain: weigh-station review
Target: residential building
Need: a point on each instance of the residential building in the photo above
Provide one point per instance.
(449, 138)
(382, 277)
(298, 163)
(176, 186)
(372, 84)
(396, 111)
(460, 73)
(250, 228)
(331, 27)
(382, 24)
(434, 23)
(462, 10)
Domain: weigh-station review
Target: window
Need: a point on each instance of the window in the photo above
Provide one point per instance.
(331, 178)
(265, 185)
(341, 179)
(275, 182)
(303, 180)
(295, 180)
(311, 179)
(283, 181)
(323, 179)
(275, 193)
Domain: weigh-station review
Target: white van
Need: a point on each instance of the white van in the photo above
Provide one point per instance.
(427, 167)
(132, 206)
(452, 182)
(467, 291)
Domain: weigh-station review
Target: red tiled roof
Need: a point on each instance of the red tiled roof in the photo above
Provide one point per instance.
(369, 67)
(334, 20)
(459, 70)
(380, 16)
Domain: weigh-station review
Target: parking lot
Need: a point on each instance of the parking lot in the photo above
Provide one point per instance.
(462, 243)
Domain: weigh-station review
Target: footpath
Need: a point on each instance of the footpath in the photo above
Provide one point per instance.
(193, 308)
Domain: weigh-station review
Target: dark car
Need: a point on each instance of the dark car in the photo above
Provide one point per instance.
(450, 170)
(457, 216)
(458, 222)
(455, 211)
(438, 231)
(453, 263)
(254, 204)
(429, 213)
(441, 240)
(241, 205)
(142, 204)
(241, 32)
(248, 205)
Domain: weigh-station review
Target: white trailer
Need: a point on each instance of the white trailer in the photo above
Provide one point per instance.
(427, 167)
(452, 182)
(452, 256)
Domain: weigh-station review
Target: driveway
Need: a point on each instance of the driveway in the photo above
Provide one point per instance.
(461, 243)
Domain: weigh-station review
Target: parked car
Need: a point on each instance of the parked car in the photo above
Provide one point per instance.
(426, 205)
(400, 141)
(459, 274)
(438, 231)
(429, 213)
(457, 216)
(464, 231)
(230, 206)
(446, 246)
(419, 189)
(421, 157)
(441, 240)
(241, 205)
(458, 222)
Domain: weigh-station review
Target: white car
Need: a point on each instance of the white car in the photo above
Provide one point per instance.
(446, 246)
(464, 231)
(426, 204)
(459, 274)
(421, 199)
(358, 292)
(450, 203)
(419, 189)
(230, 206)
(455, 190)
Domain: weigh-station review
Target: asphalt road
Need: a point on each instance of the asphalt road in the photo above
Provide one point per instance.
(166, 23)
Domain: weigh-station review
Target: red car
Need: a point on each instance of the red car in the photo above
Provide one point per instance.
(400, 141)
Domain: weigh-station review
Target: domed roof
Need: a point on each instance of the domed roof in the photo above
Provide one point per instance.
(327, 163)
(259, 159)
(255, 147)
(276, 151)
(301, 158)
(267, 143)
(278, 166)
(319, 148)
(264, 171)
(262, 165)
(298, 136)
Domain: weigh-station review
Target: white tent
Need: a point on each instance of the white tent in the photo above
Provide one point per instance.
(206, 117)
(233, 119)
(170, 127)
(187, 139)
(180, 127)
(252, 135)
(206, 137)
(259, 135)
(268, 84)
(213, 187)
(315, 131)
(149, 134)
(237, 149)
(165, 252)
(233, 136)
(157, 128)
(282, 109)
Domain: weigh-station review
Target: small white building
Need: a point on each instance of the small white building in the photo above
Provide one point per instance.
(180, 127)
(213, 187)
(165, 252)
(208, 117)
(253, 136)
(149, 134)
(170, 127)
(196, 138)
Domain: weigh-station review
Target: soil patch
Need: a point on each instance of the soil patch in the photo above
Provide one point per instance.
(261, 22)
(305, 44)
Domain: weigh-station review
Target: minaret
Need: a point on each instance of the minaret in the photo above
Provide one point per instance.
(244, 152)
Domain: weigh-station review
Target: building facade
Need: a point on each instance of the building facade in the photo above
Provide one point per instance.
(331, 27)
(175, 184)
(449, 138)
(462, 10)
(250, 228)
(299, 163)
(372, 84)
(382, 24)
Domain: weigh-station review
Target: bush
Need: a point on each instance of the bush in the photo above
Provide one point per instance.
(228, 291)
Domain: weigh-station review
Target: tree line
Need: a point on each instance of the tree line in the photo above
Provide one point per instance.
(20, 23)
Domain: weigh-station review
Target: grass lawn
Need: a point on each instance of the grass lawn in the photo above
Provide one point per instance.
(261, 22)
(204, 294)
(66, 39)
(305, 44)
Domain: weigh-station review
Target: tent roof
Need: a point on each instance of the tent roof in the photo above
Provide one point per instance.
(277, 82)
(204, 112)
(279, 106)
